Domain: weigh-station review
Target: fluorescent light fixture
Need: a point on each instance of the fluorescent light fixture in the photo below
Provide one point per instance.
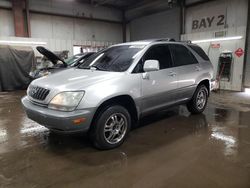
(218, 39)
(247, 90)
(22, 42)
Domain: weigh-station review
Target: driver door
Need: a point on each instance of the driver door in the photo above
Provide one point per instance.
(159, 87)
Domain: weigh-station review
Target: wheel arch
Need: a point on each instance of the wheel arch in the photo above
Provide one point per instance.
(123, 100)
(205, 82)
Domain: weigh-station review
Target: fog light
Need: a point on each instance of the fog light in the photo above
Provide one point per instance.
(78, 121)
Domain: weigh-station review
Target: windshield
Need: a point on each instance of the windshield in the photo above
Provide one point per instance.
(115, 59)
(72, 59)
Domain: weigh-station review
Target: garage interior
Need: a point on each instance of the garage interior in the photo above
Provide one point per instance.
(171, 148)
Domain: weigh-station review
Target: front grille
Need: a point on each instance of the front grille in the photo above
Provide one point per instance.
(38, 93)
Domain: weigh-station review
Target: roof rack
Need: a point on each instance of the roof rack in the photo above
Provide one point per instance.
(165, 39)
(187, 41)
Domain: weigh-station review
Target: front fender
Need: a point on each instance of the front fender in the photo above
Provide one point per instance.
(95, 95)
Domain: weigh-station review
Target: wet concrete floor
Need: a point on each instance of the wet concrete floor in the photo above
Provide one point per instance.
(169, 149)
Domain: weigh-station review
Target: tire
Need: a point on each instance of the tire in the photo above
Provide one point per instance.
(198, 102)
(111, 127)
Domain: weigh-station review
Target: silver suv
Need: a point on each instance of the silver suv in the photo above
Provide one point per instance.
(115, 87)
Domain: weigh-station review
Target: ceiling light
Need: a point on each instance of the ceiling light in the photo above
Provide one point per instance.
(218, 39)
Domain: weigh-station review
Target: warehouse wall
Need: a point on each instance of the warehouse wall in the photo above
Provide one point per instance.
(56, 27)
(235, 13)
(6, 23)
(62, 33)
(161, 25)
(63, 29)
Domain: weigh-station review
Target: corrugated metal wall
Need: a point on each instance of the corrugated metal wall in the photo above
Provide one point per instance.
(61, 33)
(57, 27)
(163, 24)
(6, 23)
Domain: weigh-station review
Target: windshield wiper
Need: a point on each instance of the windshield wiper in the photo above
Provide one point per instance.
(94, 67)
(79, 67)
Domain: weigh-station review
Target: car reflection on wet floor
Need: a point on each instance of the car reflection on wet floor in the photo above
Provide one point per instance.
(168, 149)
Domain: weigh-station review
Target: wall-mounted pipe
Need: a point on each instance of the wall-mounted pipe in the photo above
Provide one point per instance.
(27, 17)
(124, 27)
(183, 16)
(17, 9)
(246, 56)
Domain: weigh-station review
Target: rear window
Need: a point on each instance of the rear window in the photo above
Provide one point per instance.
(200, 52)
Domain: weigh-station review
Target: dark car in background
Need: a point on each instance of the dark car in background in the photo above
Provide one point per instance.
(58, 64)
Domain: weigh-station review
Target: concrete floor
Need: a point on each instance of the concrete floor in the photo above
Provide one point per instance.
(169, 149)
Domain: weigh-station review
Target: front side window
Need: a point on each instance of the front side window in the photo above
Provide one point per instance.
(182, 56)
(114, 59)
(160, 53)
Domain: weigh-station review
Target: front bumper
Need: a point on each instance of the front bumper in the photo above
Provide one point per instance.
(214, 85)
(58, 121)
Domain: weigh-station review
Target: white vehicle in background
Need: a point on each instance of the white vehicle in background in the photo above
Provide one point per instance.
(58, 64)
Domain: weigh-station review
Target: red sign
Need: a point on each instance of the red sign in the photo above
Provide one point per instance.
(215, 45)
(239, 52)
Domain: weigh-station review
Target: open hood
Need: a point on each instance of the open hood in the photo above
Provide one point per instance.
(50, 55)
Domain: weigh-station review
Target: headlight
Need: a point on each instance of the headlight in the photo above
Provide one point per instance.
(66, 101)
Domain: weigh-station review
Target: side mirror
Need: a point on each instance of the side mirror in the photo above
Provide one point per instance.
(151, 65)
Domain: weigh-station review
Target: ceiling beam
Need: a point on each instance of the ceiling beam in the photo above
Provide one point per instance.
(148, 7)
(78, 17)
(106, 3)
(138, 4)
(97, 3)
(198, 3)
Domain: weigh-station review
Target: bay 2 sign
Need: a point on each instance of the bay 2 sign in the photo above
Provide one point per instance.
(209, 18)
(208, 22)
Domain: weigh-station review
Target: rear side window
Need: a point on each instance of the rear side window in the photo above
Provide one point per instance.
(182, 56)
(200, 52)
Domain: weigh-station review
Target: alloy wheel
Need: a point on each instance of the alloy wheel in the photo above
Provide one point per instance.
(115, 128)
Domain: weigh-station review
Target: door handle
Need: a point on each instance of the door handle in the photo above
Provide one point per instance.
(197, 68)
(171, 73)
